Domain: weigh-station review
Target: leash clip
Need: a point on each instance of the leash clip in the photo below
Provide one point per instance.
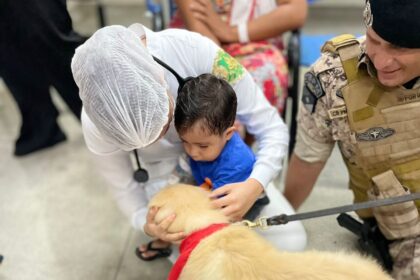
(259, 223)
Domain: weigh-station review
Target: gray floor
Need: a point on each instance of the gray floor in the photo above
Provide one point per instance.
(57, 221)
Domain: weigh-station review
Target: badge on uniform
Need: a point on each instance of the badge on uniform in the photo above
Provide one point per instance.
(375, 134)
(337, 112)
(312, 91)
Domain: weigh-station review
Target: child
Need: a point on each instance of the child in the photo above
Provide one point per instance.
(204, 119)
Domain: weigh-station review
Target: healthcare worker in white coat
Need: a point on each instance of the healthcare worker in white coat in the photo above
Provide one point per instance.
(128, 102)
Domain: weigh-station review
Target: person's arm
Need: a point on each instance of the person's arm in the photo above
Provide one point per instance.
(299, 186)
(116, 167)
(232, 188)
(130, 196)
(192, 23)
(237, 198)
(201, 55)
(262, 120)
(315, 138)
(160, 230)
(288, 15)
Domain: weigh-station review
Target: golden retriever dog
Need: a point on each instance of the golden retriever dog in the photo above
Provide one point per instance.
(237, 252)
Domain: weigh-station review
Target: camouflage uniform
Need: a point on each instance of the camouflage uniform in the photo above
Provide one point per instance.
(323, 121)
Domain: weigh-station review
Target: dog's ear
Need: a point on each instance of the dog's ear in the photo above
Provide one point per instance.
(183, 200)
(191, 205)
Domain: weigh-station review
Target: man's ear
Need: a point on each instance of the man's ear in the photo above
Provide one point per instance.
(229, 132)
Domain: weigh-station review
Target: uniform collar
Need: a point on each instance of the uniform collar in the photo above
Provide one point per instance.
(364, 61)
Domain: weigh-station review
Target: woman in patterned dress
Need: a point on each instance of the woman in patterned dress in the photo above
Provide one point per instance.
(250, 31)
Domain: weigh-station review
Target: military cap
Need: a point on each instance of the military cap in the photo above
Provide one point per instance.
(395, 21)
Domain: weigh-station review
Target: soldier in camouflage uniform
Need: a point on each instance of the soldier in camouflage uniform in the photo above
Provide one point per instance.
(364, 94)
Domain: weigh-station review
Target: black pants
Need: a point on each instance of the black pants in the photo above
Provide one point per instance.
(256, 208)
(37, 43)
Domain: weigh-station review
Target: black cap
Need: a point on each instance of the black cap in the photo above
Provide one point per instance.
(395, 21)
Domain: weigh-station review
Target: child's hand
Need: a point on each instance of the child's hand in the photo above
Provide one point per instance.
(238, 198)
(160, 230)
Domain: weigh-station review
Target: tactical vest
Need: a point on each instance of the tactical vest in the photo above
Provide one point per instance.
(385, 131)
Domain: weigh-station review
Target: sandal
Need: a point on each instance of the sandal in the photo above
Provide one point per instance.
(160, 252)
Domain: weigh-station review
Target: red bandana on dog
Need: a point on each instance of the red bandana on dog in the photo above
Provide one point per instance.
(188, 244)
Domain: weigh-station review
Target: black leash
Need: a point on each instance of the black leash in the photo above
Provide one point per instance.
(283, 219)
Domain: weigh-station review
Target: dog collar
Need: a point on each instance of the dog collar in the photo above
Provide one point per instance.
(188, 245)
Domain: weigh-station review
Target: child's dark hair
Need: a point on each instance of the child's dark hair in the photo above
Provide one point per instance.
(209, 99)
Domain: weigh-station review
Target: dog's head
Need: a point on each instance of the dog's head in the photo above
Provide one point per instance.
(191, 205)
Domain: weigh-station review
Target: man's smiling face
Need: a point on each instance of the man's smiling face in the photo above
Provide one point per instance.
(395, 65)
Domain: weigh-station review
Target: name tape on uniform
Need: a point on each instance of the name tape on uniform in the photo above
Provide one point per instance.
(339, 112)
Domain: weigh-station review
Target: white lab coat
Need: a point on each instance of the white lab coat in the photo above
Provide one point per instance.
(189, 54)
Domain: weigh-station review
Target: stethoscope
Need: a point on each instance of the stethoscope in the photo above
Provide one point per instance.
(141, 175)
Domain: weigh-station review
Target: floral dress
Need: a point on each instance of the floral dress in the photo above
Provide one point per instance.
(264, 59)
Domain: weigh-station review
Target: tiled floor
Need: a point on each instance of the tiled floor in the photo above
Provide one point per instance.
(57, 220)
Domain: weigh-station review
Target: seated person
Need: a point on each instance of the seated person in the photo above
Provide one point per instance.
(250, 31)
(204, 119)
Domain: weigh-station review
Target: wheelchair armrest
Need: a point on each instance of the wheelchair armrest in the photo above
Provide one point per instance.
(293, 60)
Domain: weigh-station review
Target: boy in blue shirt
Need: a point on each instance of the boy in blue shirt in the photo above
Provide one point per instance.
(205, 113)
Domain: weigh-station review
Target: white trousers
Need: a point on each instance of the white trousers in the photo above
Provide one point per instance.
(288, 237)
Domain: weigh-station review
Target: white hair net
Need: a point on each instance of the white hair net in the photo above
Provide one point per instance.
(122, 87)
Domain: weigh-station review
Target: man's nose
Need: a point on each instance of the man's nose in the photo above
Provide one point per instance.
(383, 60)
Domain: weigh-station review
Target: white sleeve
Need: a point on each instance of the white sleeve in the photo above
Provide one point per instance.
(115, 166)
(262, 120)
(254, 111)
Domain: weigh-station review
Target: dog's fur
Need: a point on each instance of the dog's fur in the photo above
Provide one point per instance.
(237, 252)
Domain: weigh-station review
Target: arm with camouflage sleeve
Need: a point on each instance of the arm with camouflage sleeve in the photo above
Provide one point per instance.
(314, 139)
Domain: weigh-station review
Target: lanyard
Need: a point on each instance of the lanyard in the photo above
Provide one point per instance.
(141, 175)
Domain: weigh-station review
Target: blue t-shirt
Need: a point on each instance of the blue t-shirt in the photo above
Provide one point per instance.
(233, 165)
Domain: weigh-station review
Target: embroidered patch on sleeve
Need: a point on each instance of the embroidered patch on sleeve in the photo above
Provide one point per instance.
(227, 67)
(312, 91)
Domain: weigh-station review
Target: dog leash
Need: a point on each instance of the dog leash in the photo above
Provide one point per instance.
(264, 222)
